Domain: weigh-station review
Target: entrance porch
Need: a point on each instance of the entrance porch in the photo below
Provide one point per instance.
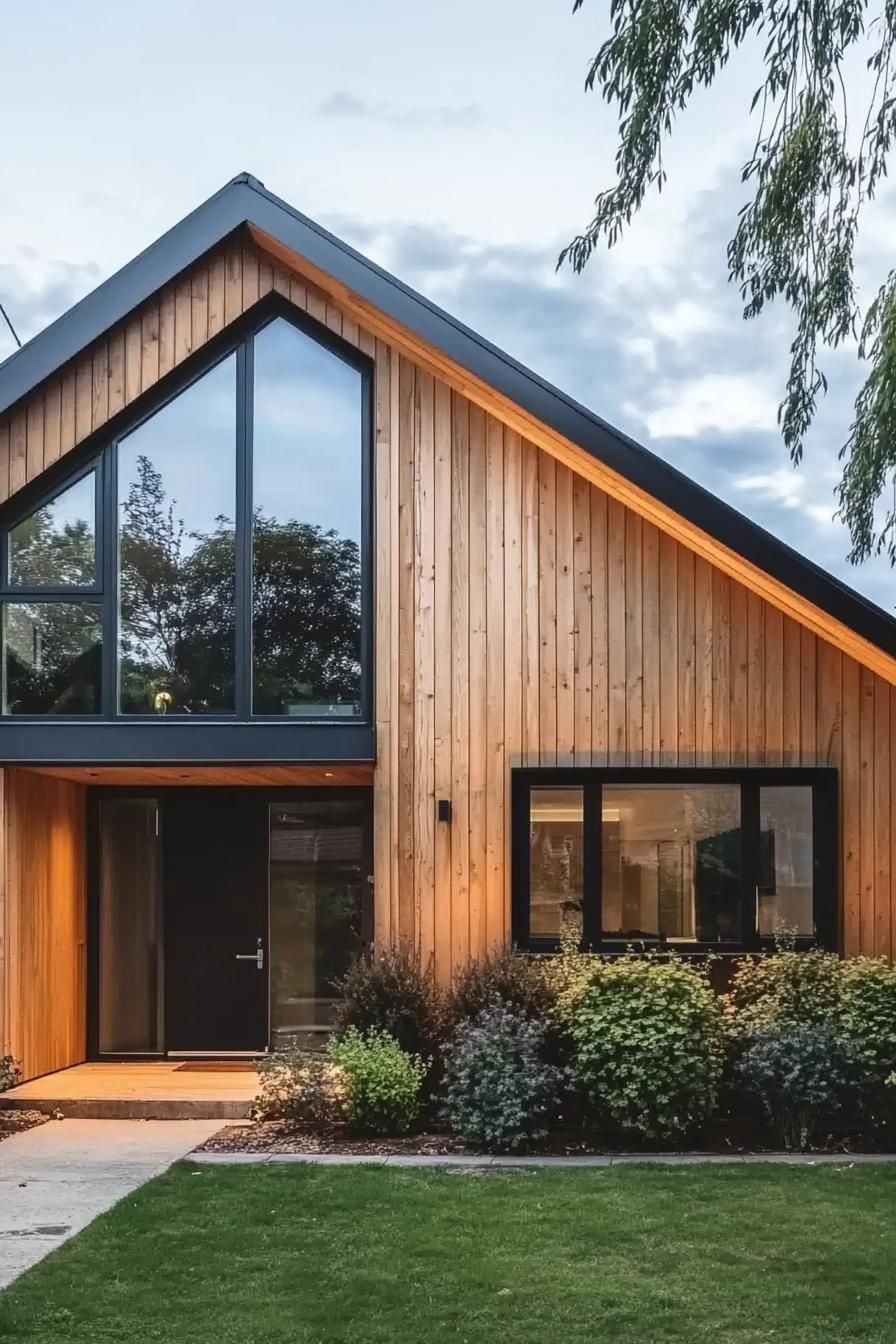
(141, 1090)
(157, 916)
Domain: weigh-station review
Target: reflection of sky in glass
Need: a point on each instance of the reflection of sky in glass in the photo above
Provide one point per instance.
(307, 442)
(192, 443)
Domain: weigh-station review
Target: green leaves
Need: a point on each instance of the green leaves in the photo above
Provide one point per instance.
(816, 161)
(382, 1082)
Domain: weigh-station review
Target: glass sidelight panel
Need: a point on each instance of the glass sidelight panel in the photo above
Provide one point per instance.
(555, 861)
(784, 893)
(130, 932)
(319, 912)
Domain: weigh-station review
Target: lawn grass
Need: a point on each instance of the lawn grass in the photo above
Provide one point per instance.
(315, 1255)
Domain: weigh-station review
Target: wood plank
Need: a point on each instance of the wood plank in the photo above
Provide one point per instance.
(405, 707)
(774, 685)
(183, 320)
(199, 307)
(99, 406)
(496, 675)
(18, 439)
(703, 647)
(83, 398)
(582, 648)
(566, 617)
(668, 651)
(478, 655)
(251, 285)
(851, 804)
(687, 701)
(807, 697)
(149, 346)
(866, 811)
(791, 692)
(383, 792)
(512, 591)
(756, 678)
(443, 654)
(233, 286)
(634, 633)
(547, 610)
(216, 286)
(881, 945)
(531, 639)
(650, 619)
(424, 677)
(132, 370)
(34, 438)
(600, 630)
(4, 459)
(52, 422)
(460, 681)
(166, 331)
(740, 652)
(617, 709)
(116, 390)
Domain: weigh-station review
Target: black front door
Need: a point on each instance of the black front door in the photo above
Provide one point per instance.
(216, 921)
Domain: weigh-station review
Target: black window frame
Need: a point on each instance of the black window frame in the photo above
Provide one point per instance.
(822, 780)
(99, 453)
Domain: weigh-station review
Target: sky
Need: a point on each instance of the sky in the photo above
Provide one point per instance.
(456, 145)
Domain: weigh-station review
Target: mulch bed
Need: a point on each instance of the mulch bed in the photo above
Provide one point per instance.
(16, 1122)
(279, 1136)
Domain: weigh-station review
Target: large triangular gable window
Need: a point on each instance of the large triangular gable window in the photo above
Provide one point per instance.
(212, 558)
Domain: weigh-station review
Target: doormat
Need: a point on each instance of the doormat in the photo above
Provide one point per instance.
(216, 1066)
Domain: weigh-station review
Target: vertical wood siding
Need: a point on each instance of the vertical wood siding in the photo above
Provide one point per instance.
(523, 617)
(43, 922)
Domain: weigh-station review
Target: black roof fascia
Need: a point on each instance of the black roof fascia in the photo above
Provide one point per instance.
(245, 201)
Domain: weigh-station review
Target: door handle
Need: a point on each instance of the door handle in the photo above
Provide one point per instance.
(257, 956)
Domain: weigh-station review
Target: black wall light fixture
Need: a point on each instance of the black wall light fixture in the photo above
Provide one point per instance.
(443, 809)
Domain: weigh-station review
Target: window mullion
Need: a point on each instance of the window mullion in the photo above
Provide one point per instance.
(243, 520)
(107, 559)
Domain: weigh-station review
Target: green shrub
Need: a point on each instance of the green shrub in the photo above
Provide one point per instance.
(647, 1041)
(800, 1075)
(498, 1089)
(506, 976)
(10, 1073)
(867, 1019)
(569, 972)
(387, 990)
(799, 987)
(300, 1086)
(382, 1082)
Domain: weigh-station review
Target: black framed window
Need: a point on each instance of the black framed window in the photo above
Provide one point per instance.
(698, 860)
(209, 556)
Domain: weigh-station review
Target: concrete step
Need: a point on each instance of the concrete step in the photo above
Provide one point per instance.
(133, 1108)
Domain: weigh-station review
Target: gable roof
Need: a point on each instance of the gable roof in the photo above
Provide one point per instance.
(245, 202)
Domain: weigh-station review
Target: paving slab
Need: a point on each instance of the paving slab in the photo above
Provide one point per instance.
(606, 1160)
(57, 1178)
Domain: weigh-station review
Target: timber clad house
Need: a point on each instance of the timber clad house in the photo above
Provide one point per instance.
(325, 621)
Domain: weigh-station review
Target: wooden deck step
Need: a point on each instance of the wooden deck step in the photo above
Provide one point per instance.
(151, 1090)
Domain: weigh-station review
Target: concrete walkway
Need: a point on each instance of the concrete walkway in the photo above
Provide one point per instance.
(56, 1179)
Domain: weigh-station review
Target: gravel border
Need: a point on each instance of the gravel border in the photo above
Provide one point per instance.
(455, 1161)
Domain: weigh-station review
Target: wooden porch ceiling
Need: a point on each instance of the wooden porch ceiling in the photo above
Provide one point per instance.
(277, 776)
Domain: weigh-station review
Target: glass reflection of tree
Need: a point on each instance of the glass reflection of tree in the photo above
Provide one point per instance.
(178, 609)
(53, 648)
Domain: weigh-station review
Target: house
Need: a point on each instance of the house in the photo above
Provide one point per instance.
(324, 620)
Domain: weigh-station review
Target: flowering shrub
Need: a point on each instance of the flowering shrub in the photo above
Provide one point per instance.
(800, 1075)
(10, 1073)
(499, 1090)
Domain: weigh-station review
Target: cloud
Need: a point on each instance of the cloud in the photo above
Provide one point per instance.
(725, 402)
(348, 107)
(34, 295)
